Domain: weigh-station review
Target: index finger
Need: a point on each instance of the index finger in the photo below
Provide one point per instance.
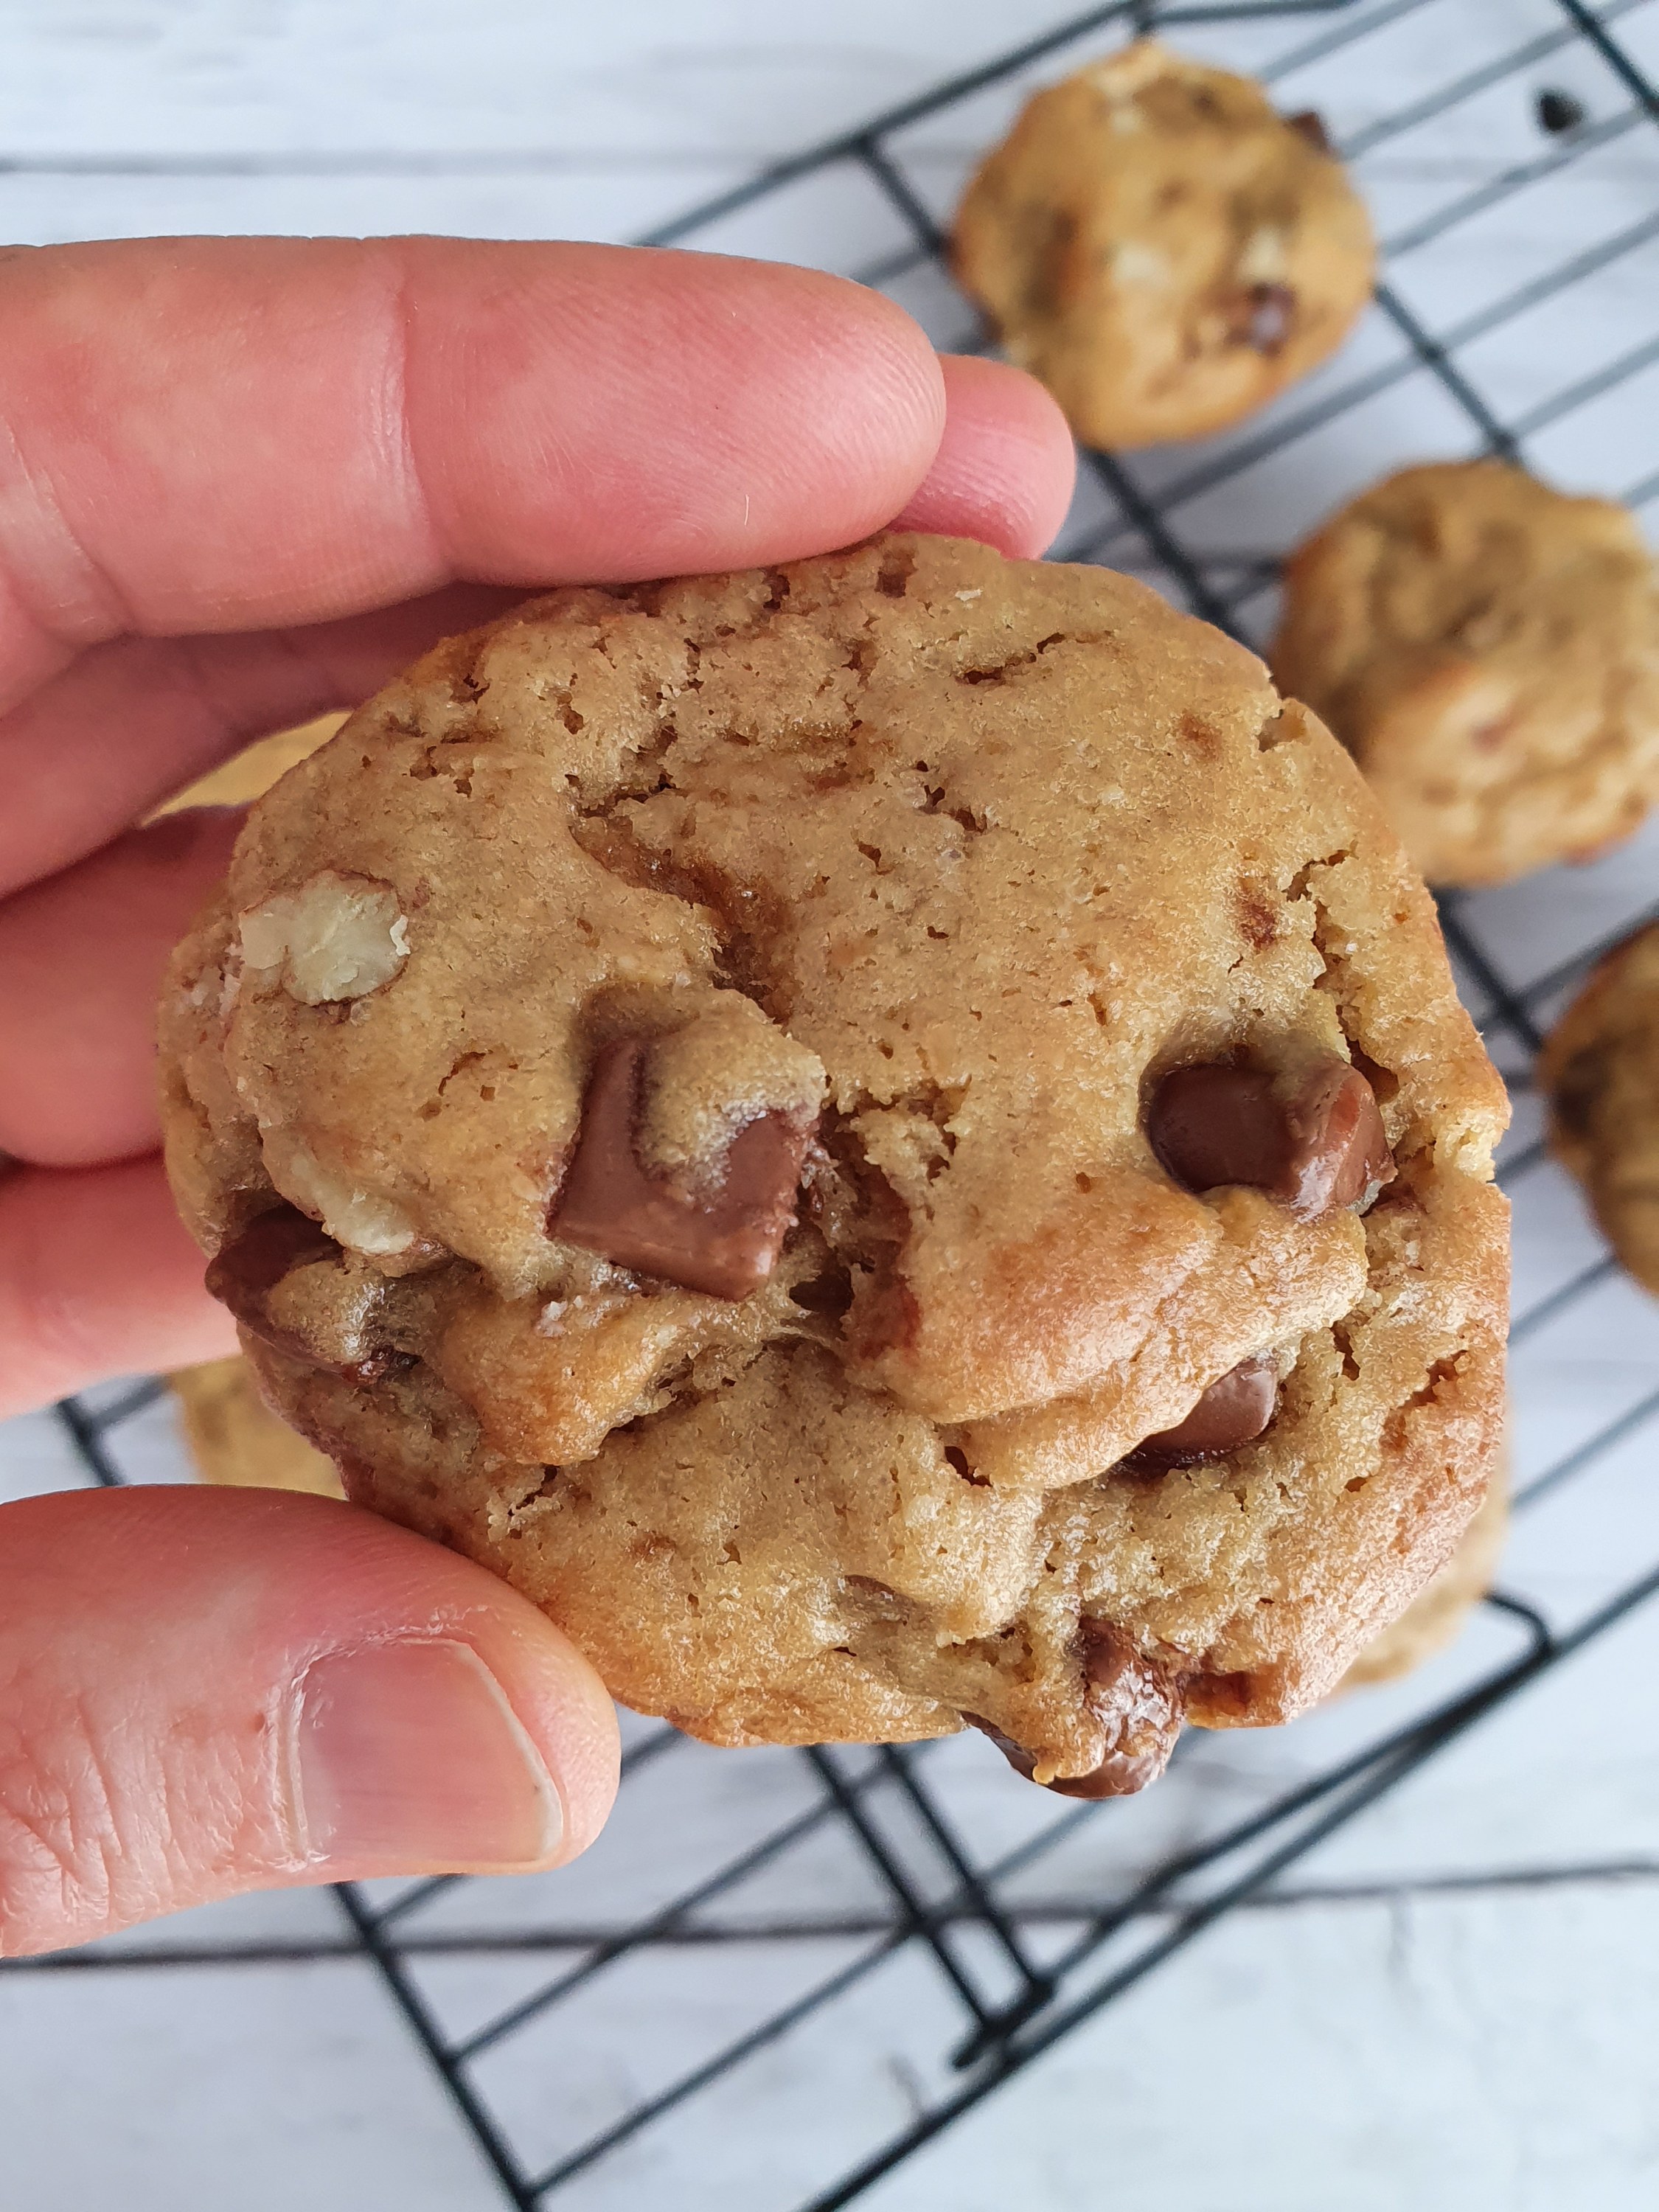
(211, 434)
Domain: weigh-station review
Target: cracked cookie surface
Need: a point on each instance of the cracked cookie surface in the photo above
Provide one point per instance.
(1162, 249)
(860, 923)
(1487, 648)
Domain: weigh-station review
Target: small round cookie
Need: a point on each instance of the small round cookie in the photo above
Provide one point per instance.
(1164, 249)
(235, 1439)
(1488, 651)
(1599, 1071)
(890, 1139)
(1434, 1620)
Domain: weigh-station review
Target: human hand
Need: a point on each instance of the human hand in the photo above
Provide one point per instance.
(243, 483)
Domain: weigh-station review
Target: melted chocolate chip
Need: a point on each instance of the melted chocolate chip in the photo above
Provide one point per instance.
(1316, 1148)
(1261, 317)
(1139, 1701)
(1234, 1409)
(725, 1241)
(1308, 123)
(243, 1273)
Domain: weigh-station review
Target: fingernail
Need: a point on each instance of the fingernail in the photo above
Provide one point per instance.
(407, 1759)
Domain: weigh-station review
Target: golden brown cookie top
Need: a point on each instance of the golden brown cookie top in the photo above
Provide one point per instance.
(1161, 248)
(747, 1087)
(1488, 650)
(943, 859)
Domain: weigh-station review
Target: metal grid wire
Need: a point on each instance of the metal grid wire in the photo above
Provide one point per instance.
(1012, 1977)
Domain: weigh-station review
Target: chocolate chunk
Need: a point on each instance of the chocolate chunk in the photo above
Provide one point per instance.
(1339, 1151)
(1315, 1148)
(240, 1273)
(1261, 317)
(243, 1274)
(1235, 1407)
(1308, 123)
(724, 1240)
(1140, 1701)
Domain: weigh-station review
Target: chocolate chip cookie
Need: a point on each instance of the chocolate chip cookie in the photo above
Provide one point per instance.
(1599, 1071)
(1488, 651)
(1164, 249)
(890, 1139)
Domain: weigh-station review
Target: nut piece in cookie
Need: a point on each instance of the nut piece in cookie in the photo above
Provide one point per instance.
(1487, 649)
(1099, 1374)
(336, 936)
(1599, 1071)
(1164, 249)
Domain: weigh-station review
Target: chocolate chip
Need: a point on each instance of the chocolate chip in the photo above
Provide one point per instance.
(725, 1240)
(1308, 123)
(1315, 1148)
(1234, 1409)
(243, 1273)
(1141, 1702)
(271, 1246)
(1261, 317)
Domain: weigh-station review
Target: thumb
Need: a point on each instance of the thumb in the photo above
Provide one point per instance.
(207, 1691)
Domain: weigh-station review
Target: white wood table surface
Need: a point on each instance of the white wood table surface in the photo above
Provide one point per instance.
(1454, 2005)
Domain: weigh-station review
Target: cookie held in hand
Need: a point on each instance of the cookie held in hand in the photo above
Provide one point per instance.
(888, 1138)
(1160, 248)
(1435, 1618)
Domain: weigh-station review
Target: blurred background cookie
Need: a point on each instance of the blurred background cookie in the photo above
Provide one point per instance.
(1488, 651)
(235, 1437)
(1599, 1071)
(248, 775)
(1162, 248)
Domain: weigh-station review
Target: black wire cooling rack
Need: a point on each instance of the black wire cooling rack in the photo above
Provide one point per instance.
(1441, 369)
